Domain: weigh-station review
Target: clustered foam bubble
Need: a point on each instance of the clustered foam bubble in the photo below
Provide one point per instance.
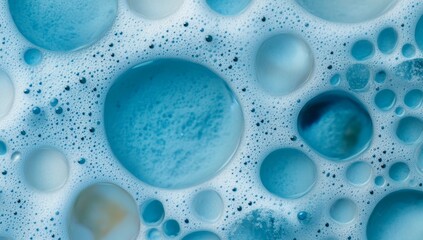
(57, 75)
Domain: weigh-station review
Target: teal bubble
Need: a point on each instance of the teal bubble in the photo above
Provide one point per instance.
(154, 234)
(284, 63)
(61, 25)
(288, 173)
(362, 50)
(385, 99)
(343, 211)
(408, 50)
(172, 123)
(413, 98)
(336, 125)
(335, 80)
(3, 148)
(201, 235)
(419, 33)
(171, 228)
(409, 129)
(156, 9)
(387, 40)
(208, 205)
(33, 56)
(359, 173)
(380, 77)
(399, 171)
(358, 76)
(397, 216)
(410, 70)
(379, 181)
(399, 111)
(152, 212)
(228, 7)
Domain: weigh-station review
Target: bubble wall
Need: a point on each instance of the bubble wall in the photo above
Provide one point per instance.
(211, 119)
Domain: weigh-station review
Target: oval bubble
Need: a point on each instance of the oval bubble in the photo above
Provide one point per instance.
(409, 129)
(104, 211)
(154, 234)
(362, 50)
(46, 169)
(208, 205)
(156, 9)
(358, 76)
(385, 99)
(336, 125)
(228, 7)
(61, 25)
(408, 50)
(284, 63)
(7, 94)
(347, 11)
(33, 56)
(288, 173)
(387, 40)
(201, 235)
(359, 173)
(172, 123)
(379, 181)
(343, 211)
(171, 228)
(413, 98)
(419, 33)
(380, 77)
(152, 212)
(3, 148)
(399, 171)
(397, 216)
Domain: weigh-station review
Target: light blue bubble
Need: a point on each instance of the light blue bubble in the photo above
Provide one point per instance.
(335, 80)
(288, 173)
(398, 216)
(409, 129)
(399, 171)
(152, 212)
(172, 123)
(208, 205)
(343, 211)
(380, 77)
(385, 99)
(359, 173)
(171, 228)
(362, 50)
(336, 125)
(33, 56)
(413, 98)
(387, 40)
(61, 25)
(201, 235)
(228, 7)
(154, 234)
(358, 76)
(408, 50)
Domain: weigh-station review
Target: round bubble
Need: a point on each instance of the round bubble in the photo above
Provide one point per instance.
(3, 148)
(335, 80)
(359, 173)
(62, 25)
(358, 76)
(343, 210)
(172, 123)
(347, 11)
(7, 94)
(336, 125)
(413, 98)
(397, 216)
(104, 211)
(171, 228)
(379, 181)
(362, 50)
(385, 99)
(399, 111)
(154, 234)
(419, 33)
(46, 169)
(408, 50)
(152, 212)
(228, 7)
(409, 129)
(387, 40)
(284, 63)
(380, 77)
(33, 56)
(155, 9)
(288, 173)
(201, 235)
(399, 171)
(259, 224)
(208, 205)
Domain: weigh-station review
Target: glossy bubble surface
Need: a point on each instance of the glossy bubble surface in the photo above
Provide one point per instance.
(208, 205)
(156, 9)
(343, 210)
(228, 7)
